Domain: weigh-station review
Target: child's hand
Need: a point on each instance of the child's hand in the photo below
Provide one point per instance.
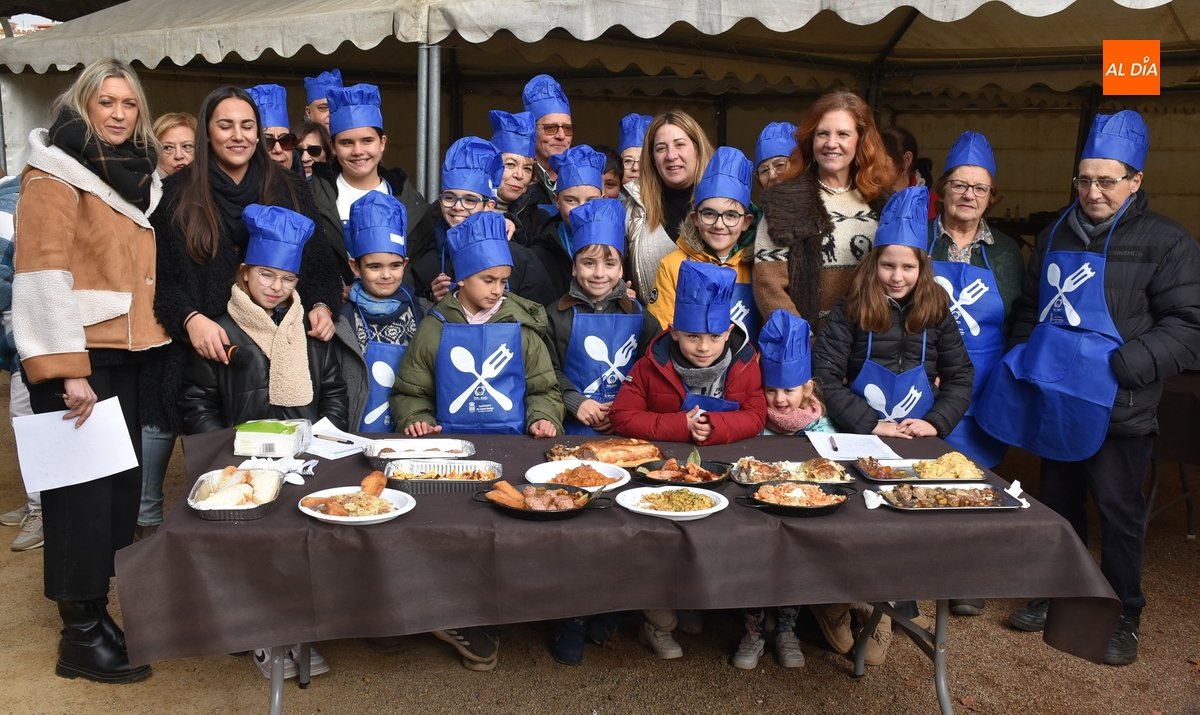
(698, 425)
(321, 320)
(543, 428)
(440, 286)
(592, 413)
(509, 227)
(630, 293)
(889, 429)
(917, 428)
(420, 429)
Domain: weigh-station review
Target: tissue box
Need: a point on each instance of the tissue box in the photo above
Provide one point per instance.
(272, 438)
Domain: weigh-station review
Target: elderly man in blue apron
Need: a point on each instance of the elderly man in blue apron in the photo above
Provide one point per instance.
(1110, 307)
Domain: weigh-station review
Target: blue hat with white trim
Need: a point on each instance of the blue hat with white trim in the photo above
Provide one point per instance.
(543, 96)
(277, 237)
(727, 176)
(633, 131)
(479, 243)
(514, 133)
(378, 224)
(1122, 136)
(599, 222)
(472, 164)
(971, 149)
(320, 86)
(354, 107)
(703, 297)
(271, 100)
(785, 342)
(776, 139)
(578, 166)
(905, 219)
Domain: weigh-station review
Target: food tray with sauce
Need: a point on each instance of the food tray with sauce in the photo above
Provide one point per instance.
(751, 498)
(444, 468)
(1006, 501)
(415, 449)
(594, 501)
(904, 469)
(641, 475)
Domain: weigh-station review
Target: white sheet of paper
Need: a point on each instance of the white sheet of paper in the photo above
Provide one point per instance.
(333, 450)
(850, 446)
(54, 454)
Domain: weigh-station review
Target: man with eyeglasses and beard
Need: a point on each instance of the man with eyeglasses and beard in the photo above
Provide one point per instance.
(544, 99)
(1109, 308)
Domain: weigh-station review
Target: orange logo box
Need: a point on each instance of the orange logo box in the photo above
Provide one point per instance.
(1131, 67)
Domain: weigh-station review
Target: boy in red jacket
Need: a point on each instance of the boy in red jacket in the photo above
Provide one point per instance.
(700, 380)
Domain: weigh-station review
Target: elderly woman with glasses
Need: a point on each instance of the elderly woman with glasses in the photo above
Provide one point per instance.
(271, 100)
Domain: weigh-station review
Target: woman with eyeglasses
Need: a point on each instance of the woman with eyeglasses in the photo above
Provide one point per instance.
(631, 137)
(312, 145)
(176, 134)
(356, 125)
(674, 156)
(272, 106)
(775, 145)
(515, 135)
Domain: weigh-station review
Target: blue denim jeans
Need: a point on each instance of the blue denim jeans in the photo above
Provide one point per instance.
(157, 447)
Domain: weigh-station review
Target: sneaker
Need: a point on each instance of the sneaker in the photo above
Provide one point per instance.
(879, 642)
(30, 536)
(569, 640)
(787, 650)
(389, 644)
(1122, 649)
(749, 651)
(690, 622)
(1031, 618)
(16, 516)
(967, 606)
(834, 620)
(474, 644)
(602, 627)
(262, 658)
(659, 641)
(316, 664)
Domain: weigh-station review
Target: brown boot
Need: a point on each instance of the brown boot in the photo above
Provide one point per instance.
(834, 620)
(877, 644)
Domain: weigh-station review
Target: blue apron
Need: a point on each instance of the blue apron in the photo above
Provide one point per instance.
(894, 397)
(383, 361)
(1053, 396)
(743, 302)
(480, 379)
(613, 338)
(976, 305)
(707, 403)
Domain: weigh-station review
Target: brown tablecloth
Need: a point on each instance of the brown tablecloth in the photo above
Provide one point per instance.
(200, 587)
(1178, 418)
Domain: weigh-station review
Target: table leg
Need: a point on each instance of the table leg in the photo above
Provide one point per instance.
(939, 658)
(277, 656)
(305, 664)
(860, 643)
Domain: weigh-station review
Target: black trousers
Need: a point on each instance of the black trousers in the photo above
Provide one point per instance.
(1115, 476)
(87, 523)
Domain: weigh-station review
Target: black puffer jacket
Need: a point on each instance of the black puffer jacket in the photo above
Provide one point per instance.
(1152, 287)
(841, 350)
(216, 396)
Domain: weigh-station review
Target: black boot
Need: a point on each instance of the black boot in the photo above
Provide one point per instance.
(85, 651)
(1123, 647)
(111, 629)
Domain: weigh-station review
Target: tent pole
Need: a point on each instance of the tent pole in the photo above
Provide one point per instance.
(422, 108)
(433, 137)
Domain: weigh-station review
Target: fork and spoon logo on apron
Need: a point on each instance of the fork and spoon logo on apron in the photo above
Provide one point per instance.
(594, 369)
(481, 379)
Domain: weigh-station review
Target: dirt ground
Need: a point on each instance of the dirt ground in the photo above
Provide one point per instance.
(993, 669)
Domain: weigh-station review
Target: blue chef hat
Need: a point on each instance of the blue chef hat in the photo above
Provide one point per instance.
(633, 131)
(578, 166)
(543, 96)
(354, 107)
(378, 224)
(1122, 136)
(599, 221)
(777, 139)
(479, 243)
(971, 149)
(473, 164)
(905, 219)
(514, 133)
(785, 342)
(727, 176)
(703, 294)
(322, 85)
(277, 237)
(271, 100)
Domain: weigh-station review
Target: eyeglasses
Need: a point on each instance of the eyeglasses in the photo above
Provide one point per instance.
(313, 150)
(708, 217)
(186, 148)
(550, 130)
(960, 188)
(772, 168)
(1104, 184)
(285, 141)
(266, 279)
(449, 201)
(631, 163)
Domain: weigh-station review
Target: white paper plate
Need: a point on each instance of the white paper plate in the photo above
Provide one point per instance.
(544, 472)
(631, 499)
(404, 503)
